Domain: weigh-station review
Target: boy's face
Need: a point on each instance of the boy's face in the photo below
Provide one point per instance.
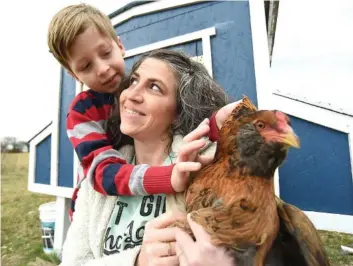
(97, 61)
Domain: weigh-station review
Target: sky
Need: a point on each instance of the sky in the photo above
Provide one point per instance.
(313, 57)
(313, 53)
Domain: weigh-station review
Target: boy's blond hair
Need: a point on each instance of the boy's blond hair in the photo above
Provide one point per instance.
(70, 22)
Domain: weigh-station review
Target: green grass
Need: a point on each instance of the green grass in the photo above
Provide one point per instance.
(20, 227)
(21, 237)
(333, 242)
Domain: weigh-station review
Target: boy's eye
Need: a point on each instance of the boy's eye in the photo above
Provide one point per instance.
(85, 67)
(107, 53)
(133, 81)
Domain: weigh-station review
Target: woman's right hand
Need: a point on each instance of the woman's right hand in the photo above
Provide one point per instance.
(158, 247)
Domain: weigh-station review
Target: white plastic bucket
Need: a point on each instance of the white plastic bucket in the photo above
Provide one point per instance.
(47, 215)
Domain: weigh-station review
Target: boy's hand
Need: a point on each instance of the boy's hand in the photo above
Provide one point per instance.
(188, 159)
(224, 112)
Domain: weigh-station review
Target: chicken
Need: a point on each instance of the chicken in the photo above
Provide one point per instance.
(233, 197)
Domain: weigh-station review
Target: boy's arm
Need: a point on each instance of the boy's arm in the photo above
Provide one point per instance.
(105, 167)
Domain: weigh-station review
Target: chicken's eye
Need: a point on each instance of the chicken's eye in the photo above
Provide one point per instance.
(260, 125)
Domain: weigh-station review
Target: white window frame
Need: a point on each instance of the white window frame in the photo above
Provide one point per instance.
(52, 188)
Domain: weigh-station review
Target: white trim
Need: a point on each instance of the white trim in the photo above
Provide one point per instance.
(207, 52)
(78, 88)
(51, 190)
(260, 53)
(62, 223)
(196, 35)
(32, 154)
(350, 143)
(319, 104)
(150, 8)
(331, 222)
(313, 114)
(54, 163)
(276, 182)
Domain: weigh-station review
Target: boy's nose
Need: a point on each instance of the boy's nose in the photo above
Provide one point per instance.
(102, 69)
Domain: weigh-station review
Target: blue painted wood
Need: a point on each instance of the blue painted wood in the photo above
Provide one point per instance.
(146, 20)
(318, 176)
(42, 164)
(232, 53)
(65, 166)
(191, 49)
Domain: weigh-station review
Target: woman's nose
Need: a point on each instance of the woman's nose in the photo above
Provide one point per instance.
(135, 94)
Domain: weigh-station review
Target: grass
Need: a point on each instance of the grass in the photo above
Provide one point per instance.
(21, 237)
(333, 242)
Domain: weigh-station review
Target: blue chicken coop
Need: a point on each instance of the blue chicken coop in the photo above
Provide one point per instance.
(234, 40)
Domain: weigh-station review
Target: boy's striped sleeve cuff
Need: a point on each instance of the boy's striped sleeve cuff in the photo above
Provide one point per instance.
(213, 135)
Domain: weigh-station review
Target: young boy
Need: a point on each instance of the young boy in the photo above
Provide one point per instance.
(83, 40)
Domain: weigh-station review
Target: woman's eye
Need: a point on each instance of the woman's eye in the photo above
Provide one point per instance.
(155, 87)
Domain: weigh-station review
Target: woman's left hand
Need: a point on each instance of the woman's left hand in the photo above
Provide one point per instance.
(201, 251)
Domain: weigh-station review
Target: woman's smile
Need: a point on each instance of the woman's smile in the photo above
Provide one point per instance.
(132, 112)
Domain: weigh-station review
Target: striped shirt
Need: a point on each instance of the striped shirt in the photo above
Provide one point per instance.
(111, 174)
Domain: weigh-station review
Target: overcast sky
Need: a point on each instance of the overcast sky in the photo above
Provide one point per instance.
(313, 53)
(313, 56)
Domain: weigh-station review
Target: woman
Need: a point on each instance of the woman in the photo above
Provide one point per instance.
(168, 96)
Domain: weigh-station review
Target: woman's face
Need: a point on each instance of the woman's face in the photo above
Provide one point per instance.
(148, 106)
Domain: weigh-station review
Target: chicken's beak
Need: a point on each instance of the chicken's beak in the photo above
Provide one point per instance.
(290, 138)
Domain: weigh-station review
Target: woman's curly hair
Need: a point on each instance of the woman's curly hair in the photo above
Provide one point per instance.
(198, 95)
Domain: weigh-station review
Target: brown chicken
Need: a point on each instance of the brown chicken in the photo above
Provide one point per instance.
(233, 197)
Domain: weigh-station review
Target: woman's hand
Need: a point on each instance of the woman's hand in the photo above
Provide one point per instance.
(201, 251)
(158, 247)
(223, 113)
(189, 159)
